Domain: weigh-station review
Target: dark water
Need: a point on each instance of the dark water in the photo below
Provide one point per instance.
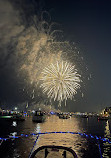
(84, 147)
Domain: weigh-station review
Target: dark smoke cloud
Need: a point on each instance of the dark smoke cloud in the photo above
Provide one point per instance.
(9, 22)
(11, 26)
(16, 19)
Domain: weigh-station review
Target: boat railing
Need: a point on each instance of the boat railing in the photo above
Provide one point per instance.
(96, 138)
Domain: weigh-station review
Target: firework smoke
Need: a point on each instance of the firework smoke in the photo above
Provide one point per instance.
(35, 47)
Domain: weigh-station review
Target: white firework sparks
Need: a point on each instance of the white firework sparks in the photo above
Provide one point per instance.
(60, 81)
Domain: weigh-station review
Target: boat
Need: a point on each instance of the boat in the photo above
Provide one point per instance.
(38, 117)
(102, 118)
(84, 116)
(64, 116)
(3, 117)
(15, 117)
(56, 151)
(18, 117)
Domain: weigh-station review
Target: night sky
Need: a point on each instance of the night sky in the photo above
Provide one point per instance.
(86, 23)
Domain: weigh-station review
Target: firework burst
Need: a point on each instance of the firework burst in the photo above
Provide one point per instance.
(60, 81)
(38, 46)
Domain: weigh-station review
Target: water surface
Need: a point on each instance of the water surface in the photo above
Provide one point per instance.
(84, 147)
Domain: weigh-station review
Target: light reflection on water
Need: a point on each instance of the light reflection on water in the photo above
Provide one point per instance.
(83, 147)
(14, 123)
(56, 124)
(106, 145)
